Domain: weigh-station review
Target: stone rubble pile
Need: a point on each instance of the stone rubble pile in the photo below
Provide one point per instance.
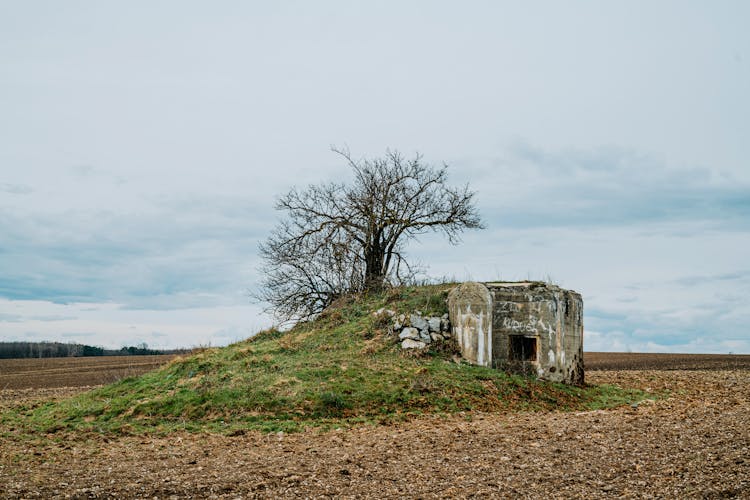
(416, 331)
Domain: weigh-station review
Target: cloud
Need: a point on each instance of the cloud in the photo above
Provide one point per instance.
(186, 250)
(618, 341)
(15, 188)
(235, 333)
(115, 325)
(737, 276)
(673, 317)
(30, 336)
(83, 170)
(52, 317)
(627, 230)
(533, 187)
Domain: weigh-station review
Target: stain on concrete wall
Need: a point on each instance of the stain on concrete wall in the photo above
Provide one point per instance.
(470, 309)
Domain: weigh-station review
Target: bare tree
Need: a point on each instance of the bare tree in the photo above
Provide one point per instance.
(339, 238)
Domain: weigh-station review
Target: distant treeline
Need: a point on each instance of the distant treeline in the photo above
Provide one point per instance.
(10, 350)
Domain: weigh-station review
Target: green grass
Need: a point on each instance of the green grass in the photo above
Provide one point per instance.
(340, 370)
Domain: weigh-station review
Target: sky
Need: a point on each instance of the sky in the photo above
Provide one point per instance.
(143, 144)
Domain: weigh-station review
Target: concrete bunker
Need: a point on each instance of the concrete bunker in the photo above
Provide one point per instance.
(524, 327)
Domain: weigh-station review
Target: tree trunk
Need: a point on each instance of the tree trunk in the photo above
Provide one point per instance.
(374, 272)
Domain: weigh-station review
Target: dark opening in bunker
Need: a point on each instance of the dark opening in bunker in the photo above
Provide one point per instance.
(522, 348)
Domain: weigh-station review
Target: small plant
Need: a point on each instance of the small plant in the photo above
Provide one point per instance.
(332, 403)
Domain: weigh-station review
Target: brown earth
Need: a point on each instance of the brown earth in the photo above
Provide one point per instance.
(74, 372)
(644, 361)
(694, 444)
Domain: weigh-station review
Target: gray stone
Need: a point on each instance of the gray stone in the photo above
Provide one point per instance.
(445, 324)
(409, 333)
(424, 336)
(434, 324)
(418, 322)
(384, 312)
(399, 322)
(437, 337)
(412, 344)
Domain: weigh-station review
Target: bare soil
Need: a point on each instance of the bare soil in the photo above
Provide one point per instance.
(74, 372)
(694, 444)
(644, 361)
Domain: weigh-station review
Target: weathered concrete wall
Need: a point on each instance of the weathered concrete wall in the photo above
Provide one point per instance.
(535, 327)
(470, 310)
(549, 317)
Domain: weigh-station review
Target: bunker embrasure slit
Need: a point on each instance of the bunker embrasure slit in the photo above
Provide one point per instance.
(522, 348)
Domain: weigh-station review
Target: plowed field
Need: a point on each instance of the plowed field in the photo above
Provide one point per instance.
(74, 372)
(638, 361)
(693, 444)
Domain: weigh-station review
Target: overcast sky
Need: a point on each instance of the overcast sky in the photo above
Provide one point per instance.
(142, 145)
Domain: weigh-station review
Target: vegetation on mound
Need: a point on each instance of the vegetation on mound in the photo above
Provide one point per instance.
(341, 369)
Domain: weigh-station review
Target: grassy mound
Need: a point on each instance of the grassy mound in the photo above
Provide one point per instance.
(341, 369)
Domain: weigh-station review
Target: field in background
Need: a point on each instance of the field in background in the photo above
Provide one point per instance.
(645, 361)
(39, 373)
(90, 371)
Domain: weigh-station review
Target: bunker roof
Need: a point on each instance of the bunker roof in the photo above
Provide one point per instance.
(524, 284)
